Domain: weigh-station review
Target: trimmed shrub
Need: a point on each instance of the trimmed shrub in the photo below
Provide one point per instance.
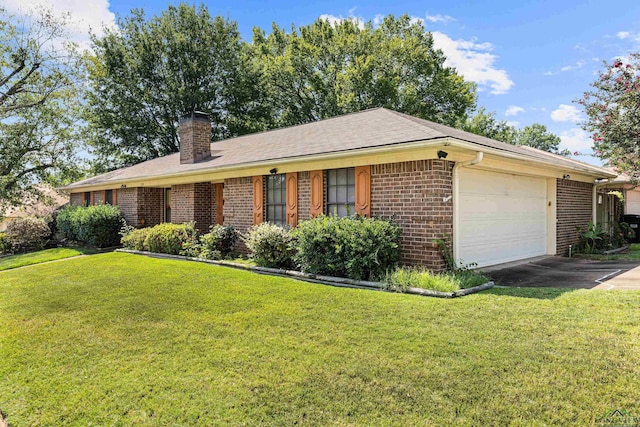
(217, 243)
(270, 245)
(134, 238)
(27, 234)
(5, 246)
(355, 247)
(170, 238)
(97, 225)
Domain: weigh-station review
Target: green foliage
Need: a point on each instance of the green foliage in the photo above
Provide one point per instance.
(27, 234)
(446, 250)
(134, 238)
(97, 225)
(613, 115)
(403, 278)
(271, 245)
(169, 238)
(39, 105)
(355, 247)
(218, 242)
(5, 245)
(537, 136)
(149, 71)
(330, 68)
(485, 124)
(591, 237)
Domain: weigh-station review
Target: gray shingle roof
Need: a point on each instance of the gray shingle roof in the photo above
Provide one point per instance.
(377, 127)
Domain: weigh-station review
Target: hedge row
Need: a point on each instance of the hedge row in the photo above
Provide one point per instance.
(97, 225)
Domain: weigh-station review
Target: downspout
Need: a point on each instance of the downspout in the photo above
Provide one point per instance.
(594, 204)
(456, 191)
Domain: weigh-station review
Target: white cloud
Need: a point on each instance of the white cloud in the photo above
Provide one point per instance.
(575, 139)
(474, 61)
(445, 19)
(623, 34)
(85, 15)
(566, 113)
(578, 64)
(513, 110)
(377, 20)
(333, 20)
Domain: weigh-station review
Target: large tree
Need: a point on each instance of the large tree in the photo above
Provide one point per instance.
(485, 124)
(537, 136)
(149, 72)
(326, 69)
(613, 115)
(39, 85)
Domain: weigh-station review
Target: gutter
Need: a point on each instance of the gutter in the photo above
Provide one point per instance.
(456, 193)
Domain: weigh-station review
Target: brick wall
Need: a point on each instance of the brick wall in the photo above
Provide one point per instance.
(304, 196)
(76, 199)
(214, 217)
(128, 204)
(195, 138)
(412, 194)
(192, 202)
(238, 206)
(97, 198)
(574, 201)
(150, 206)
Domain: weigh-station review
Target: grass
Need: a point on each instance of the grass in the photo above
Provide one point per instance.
(631, 254)
(407, 277)
(21, 260)
(119, 339)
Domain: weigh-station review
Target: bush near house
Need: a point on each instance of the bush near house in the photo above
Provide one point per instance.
(4, 243)
(97, 225)
(134, 238)
(271, 245)
(218, 242)
(355, 247)
(26, 234)
(170, 238)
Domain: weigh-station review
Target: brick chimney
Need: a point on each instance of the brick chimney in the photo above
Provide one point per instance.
(194, 131)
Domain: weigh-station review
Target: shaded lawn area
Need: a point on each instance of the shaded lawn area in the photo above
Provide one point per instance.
(120, 339)
(631, 254)
(21, 260)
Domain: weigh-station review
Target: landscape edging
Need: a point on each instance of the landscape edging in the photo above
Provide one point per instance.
(315, 278)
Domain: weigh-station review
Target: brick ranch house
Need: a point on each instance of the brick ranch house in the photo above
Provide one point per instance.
(499, 202)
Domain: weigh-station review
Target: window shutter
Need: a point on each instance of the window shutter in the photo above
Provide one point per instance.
(92, 199)
(219, 204)
(317, 193)
(292, 199)
(258, 199)
(363, 190)
(115, 197)
(104, 197)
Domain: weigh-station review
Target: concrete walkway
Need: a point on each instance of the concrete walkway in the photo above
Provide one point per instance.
(629, 280)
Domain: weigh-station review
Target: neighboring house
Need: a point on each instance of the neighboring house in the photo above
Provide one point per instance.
(32, 207)
(499, 202)
(607, 206)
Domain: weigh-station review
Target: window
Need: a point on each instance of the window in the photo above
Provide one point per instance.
(167, 205)
(341, 190)
(276, 199)
(87, 199)
(108, 197)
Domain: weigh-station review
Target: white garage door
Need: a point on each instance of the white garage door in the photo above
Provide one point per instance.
(502, 217)
(632, 202)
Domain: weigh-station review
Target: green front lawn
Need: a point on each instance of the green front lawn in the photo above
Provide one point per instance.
(21, 260)
(120, 339)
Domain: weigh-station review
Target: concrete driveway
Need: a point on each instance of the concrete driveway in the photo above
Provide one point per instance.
(560, 272)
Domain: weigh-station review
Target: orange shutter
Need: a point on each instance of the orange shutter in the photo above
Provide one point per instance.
(219, 204)
(292, 199)
(317, 193)
(115, 197)
(104, 197)
(258, 199)
(363, 190)
(92, 198)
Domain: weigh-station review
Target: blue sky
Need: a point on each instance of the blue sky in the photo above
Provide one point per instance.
(530, 60)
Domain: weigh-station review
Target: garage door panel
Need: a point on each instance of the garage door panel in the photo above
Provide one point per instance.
(632, 202)
(502, 217)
